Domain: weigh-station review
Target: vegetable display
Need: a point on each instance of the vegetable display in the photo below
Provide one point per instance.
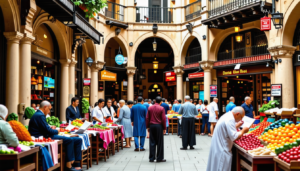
(291, 154)
(270, 105)
(29, 111)
(12, 116)
(249, 142)
(85, 105)
(20, 130)
(43, 140)
(77, 122)
(8, 152)
(52, 120)
(27, 143)
(261, 151)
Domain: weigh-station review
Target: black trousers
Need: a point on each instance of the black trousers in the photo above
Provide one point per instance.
(156, 139)
(188, 132)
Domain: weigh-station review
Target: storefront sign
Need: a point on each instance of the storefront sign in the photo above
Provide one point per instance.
(108, 76)
(265, 23)
(196, 75)
(170, 78)
(245, 70)
(119, 59)
(194, 65)
(170, 74)
(276, 90)
(243, 60)
(213, 91)
(86, 81)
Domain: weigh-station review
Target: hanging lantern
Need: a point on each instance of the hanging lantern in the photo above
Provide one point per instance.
(237, 29)
(277, 19)
(154, 44)
(239, 38)
(155, 71)
(155, 64)
(155, 86)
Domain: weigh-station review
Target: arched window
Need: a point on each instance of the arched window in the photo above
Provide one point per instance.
(193, 54)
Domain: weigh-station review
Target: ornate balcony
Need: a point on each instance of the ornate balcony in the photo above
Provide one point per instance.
(192, 10)
(154, 14)
(223, 14)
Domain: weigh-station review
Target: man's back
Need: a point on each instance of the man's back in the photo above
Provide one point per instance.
(146, 105)
(166, 107)
(230, 106)
(39, 127)
(156, 115)
(188, 110)
(138, 111)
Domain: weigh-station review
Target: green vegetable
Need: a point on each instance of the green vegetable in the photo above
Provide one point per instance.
(85, 106)
(270, 105)
(53, 121)
(29, 111)
(12, 116)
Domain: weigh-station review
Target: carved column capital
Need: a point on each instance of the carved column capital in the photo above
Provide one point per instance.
(97, 65)
(73, 62)
(65, 62)
(282, 51)
(206, 65)
(178, 70)
(131, 70)
(27, 39)
(13, 36)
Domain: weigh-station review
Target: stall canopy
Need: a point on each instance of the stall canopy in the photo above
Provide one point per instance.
(70, 15)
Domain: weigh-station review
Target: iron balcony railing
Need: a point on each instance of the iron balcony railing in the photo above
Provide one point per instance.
(218, 7)
(154, 15)
(192, 10)
(115, 11)
(244, 52)
(193, 55)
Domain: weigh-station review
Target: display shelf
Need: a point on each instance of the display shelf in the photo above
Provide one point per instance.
(279, 164)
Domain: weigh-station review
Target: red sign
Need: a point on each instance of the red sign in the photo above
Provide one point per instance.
(170, 78)
(196, 75)
(243, 60)
(276, 90)
(172, 83)
(265, 23)
(86, 81)
(193, 65)
(170, 74)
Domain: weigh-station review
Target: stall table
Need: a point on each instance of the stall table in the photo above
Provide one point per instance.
(59, 157)
(16, 158)
(279, 164)
(242, 154)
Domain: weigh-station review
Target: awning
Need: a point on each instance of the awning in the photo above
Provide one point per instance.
(70, 15)
(117, 24)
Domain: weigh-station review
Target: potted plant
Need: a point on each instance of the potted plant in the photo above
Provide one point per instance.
(85, 107)
(90, 7)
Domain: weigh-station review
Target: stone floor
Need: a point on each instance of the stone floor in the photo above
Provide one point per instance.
(177, 160)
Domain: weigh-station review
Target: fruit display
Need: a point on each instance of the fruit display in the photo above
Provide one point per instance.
(261, 151)
(280, 136)
(52, 120)
(98, 128)
(172, 115)
(20, 130)
(8, 152)
(171, 112)
(43, 140)
(63, 130)
(108, 120)
(77, 122)
(292, 154)
(259, 129)
(27, 143)
(63, 125)
(249, 142)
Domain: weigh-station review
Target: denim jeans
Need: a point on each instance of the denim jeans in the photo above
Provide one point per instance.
(205, 121)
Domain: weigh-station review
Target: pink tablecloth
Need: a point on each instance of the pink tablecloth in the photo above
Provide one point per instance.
(107, 137)
(122, 132)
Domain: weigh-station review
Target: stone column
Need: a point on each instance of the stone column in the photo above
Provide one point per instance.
(130, 86)
(25, 70)
(179, 87)
(72, 77)
(207, 66)
(94, 81)
(64, 87)
(12, 71)
(284, 74)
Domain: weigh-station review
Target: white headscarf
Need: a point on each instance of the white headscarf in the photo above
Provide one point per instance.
(3, 111)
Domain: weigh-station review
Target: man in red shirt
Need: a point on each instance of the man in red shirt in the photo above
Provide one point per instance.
(156, 125)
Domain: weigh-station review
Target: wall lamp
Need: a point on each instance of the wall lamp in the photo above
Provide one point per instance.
(154, 28)
(277, 61)
(189, 26)
(270, 64)
(277, 19)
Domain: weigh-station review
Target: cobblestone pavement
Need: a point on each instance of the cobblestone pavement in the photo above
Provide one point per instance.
(177, 160)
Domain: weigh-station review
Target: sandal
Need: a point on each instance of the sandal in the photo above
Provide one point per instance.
(202, 134)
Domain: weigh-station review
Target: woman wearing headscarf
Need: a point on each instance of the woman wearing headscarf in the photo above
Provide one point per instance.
(109, 109)
(125, 120)
(7, 135)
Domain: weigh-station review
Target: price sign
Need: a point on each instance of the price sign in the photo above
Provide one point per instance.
(265, 23)
(276, 90)
(213, 91)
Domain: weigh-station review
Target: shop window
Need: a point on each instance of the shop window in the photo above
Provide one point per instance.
(193, 54)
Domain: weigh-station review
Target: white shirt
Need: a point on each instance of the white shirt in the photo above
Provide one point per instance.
(107, 113)
(75, 109)
(203, 110)
(220, 154)
(198, 106)
(99, 114)
(213, 108)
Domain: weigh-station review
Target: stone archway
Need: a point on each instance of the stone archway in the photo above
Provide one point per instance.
(163, 36)
(11, 15)
(290, 20)
(186, 43)
(121, 41)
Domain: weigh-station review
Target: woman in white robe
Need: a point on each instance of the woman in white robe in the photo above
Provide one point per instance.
(220, 154)
(109, 109)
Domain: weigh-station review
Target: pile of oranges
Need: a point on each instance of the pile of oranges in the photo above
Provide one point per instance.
(280, 136)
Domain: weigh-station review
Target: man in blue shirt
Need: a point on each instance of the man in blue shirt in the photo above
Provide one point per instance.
(231, 104)
(248, 107)
(146, 104)
(167, 108)
(176, 105)
(72, 112)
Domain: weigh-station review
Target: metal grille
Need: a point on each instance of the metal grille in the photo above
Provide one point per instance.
(154, 14)
(192, 10)
(193, 55)
(115, 11)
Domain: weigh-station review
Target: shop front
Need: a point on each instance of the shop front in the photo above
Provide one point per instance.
(252, 81)
(170, 83)
(44, 69)
(196, 86)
